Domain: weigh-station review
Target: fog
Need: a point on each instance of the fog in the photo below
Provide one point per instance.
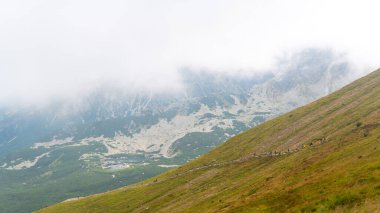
(51, 48)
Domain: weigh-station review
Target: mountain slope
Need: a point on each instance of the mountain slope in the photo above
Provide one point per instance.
(330, 159)
(116, 135)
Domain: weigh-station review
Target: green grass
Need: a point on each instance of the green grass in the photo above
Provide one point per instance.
(61, 176)
(341, 174)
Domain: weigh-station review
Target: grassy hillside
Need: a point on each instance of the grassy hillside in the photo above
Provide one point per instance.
(330, 160)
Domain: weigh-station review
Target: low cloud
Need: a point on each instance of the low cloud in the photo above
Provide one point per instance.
(63, 48)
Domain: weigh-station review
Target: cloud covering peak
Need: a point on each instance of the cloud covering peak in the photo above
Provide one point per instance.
(53, 48)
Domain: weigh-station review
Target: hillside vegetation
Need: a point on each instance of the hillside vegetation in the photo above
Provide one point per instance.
(321, 157)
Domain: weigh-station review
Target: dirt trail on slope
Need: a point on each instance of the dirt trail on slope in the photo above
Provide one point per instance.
(226, 163)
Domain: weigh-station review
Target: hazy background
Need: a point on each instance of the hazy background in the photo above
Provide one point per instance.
(65, 48)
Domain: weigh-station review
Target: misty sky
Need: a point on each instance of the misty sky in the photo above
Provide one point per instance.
(50, 47)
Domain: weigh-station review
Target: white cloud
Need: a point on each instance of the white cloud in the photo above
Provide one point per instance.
(61, 47)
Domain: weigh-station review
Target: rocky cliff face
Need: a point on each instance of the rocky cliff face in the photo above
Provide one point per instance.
(136, 122)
